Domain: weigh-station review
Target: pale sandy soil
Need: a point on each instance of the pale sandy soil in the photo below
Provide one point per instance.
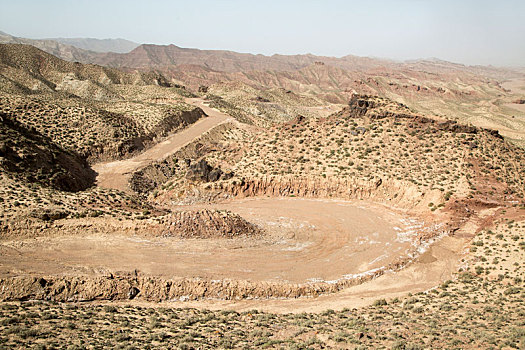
(438, 264)
(516, 86)
(116, 174)
(306, 240)
(325, 111)
(517, 107)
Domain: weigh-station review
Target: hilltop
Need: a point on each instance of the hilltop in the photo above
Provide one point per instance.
(66, 52)
(59, 116)
(92, 110)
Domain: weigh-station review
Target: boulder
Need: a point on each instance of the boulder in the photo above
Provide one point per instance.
(202, 171)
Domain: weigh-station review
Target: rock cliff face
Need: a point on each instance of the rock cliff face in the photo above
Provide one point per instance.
(302, 187)
(394, 192)
(158, 173)
(208, 224)
(378, 108)
(202, 171)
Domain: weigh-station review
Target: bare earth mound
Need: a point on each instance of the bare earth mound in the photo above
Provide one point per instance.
(206, 223)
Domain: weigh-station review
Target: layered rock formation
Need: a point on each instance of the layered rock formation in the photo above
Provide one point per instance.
(149, 288)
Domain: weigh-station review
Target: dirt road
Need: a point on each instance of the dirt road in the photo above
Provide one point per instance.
(116, 174)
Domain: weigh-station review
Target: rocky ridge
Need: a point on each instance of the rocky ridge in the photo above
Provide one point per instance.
(355, 161)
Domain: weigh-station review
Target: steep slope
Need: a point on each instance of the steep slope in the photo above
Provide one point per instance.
(36, 70)
(31, 157)
(374, 148)
(65, 52)
(161, 56)
(50, 131)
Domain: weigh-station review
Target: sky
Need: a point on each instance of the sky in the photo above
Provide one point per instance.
(463, 31)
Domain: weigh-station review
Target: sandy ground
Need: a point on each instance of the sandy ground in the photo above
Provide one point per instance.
(306, 240)
(516, 86)
(515, 106)
(115, 174)
(325, 111)
(435, 266)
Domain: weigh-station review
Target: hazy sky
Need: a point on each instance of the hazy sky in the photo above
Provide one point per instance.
(466, 31)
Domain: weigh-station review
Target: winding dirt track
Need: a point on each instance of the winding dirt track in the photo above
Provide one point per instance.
(116, 174)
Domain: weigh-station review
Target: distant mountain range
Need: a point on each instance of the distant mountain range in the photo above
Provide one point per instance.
(121, 53)
(99, 45)
(65, 52)
(72, 48)
(331, 78)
